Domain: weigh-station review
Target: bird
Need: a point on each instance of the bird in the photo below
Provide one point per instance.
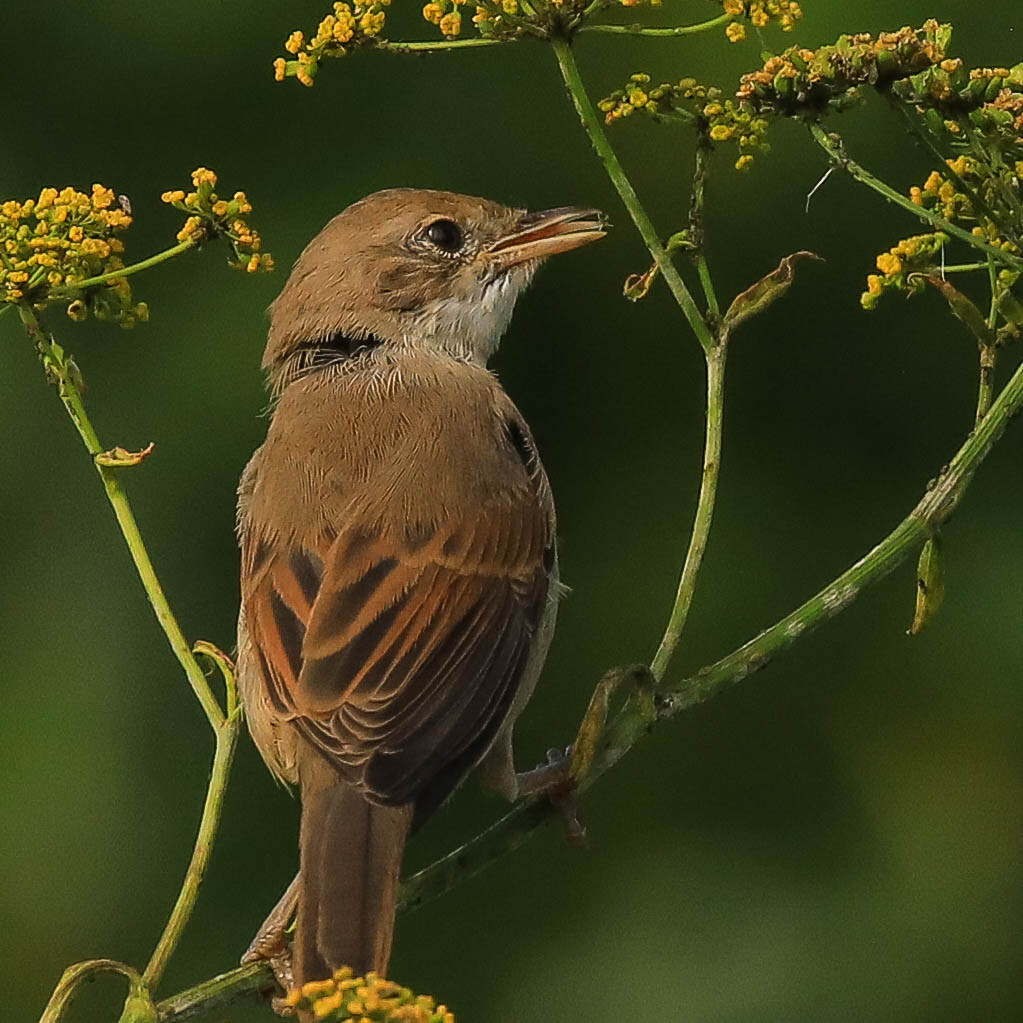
(399, 575)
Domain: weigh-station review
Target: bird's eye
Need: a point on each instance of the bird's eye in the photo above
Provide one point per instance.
(445, 234)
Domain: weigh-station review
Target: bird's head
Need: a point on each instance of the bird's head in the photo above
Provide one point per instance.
(416, 268)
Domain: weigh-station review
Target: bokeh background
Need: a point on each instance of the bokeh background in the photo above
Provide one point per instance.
(838, 838)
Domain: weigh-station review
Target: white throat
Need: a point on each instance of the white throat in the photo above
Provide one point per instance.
(472, 324)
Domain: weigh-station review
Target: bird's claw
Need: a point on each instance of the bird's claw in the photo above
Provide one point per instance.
(555, 782)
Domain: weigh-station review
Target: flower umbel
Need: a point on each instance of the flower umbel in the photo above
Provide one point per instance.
(62, 237)
(369, 999)
(350, 25)
(760, 13)
(209, 216)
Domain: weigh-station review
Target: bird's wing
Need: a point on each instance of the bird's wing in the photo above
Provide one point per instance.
(399, 657)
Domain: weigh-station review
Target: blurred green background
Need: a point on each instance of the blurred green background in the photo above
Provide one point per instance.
(839, 838)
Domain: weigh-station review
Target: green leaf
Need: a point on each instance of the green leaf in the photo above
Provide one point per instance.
(122, 458)
(765, 292)
(930, 585)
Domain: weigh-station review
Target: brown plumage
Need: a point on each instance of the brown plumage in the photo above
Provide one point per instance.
(397, 533)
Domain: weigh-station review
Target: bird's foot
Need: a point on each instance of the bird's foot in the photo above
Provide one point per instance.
(554, 781)
(271, 945)
(560, 778)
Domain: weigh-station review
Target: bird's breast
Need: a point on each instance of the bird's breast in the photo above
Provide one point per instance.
(405, 448)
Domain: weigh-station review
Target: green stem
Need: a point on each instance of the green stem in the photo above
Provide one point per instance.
(252, 978)
(594, 128)
(225, 728)
(832, 145)
(704, 512)
(60, 367)
(962, 268)
(74, 976)
(696, 234)
(438, 45)
(175, 250)
(988, 352)
(227, 737)
(643, 30)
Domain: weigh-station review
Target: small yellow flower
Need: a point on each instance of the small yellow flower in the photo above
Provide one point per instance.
(279, 65)
(889, 264)
(451, 23)
(203, 176)
(294, 42)
(736, 32)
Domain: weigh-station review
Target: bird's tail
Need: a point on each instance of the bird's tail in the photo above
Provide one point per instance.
(351, 853)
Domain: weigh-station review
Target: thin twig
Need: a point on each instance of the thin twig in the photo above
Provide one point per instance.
(592, 124)
(58, 366)
(988, 351)
(225, 725)
(437, 45)
(73, 978)
(696, 232)
(175, 250)
(832, 146)
(645, 30)
(227, 737)
(716, 358)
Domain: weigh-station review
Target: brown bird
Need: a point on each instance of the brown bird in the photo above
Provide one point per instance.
(399, 574)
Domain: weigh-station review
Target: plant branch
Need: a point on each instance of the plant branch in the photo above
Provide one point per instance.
(832, 145)
(72, 287)
(988, 350)
(62, 371)
(644, 30)
(227, 737)
(696, 234)
(74, 976)
(594, 128)
(437, 45)
(704, 511)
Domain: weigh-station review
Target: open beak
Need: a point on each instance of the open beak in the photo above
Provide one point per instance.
(546, 233)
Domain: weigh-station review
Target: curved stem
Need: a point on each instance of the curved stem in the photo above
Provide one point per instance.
(644, 30)
(62, 372)
(704, 512)
(74, 976)
(134, 268)
(833, 147)
(227, 737)
(591, 122)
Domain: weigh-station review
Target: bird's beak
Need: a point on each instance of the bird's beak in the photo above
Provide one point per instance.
(544, 234)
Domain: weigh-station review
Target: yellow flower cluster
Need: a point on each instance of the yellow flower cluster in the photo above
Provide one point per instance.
(952, 195)
(494, 19)
(705, 107)
(350, 24)
(61, 238)
(212, 217)
(445, 14)
(902, 266)
(801, 78)
(369, 999)
(760, 12)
